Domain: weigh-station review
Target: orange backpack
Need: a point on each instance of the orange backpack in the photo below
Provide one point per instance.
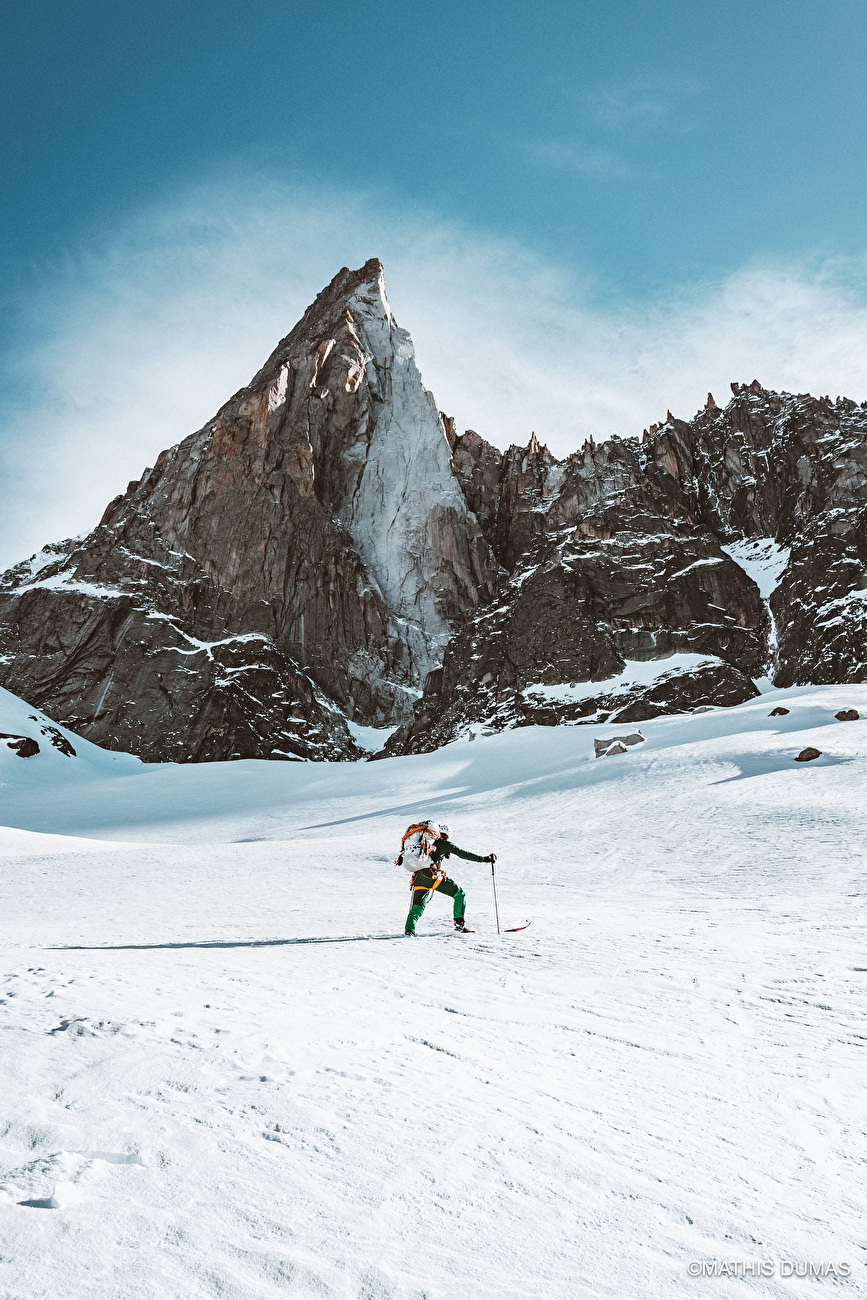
(417, 845)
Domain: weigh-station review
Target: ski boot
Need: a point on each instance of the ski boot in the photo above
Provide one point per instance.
(462, 928)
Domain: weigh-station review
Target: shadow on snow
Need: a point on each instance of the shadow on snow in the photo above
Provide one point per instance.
(225, 943)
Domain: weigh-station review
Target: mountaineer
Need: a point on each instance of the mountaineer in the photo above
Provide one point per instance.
(424, 846)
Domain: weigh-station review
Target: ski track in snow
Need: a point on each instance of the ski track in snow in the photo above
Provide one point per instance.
(667, 1066)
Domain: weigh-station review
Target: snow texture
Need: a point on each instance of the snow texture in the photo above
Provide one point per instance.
(222, 1077)
(66, 582)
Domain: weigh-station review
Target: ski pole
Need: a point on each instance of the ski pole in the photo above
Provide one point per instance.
(496, 904)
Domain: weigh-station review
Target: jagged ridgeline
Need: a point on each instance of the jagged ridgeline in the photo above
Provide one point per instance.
(648, 577)
(328, 548)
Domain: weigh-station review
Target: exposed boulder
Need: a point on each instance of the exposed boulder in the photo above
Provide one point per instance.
(847, 715)
(778, 712)
(617, 744)
(808, 754)
(23, 746)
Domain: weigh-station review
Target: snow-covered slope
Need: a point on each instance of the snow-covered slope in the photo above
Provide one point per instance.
(62, 754)
(220, 1077)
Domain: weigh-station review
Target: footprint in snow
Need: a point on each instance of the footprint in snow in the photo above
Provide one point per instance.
(56, 1181)
(82, 1027)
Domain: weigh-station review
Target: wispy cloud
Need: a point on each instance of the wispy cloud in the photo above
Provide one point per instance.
(643, 105)
(137, 341)
(563, 155)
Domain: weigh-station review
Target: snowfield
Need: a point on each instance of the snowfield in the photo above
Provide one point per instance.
(220, 1076)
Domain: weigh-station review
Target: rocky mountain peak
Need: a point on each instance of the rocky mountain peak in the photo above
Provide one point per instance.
(328, 306)
(314, 525)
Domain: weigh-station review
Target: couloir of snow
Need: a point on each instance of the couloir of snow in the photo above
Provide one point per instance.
(408, 515)
(763, 559)
(221, 1078)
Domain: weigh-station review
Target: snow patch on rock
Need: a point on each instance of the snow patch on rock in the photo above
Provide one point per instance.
(370, 739)
(636, 674)
(65, 582)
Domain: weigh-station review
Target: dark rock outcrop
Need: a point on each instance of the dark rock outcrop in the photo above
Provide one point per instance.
(54, 736)
(477, 466)
(23, 746)
(616, 744)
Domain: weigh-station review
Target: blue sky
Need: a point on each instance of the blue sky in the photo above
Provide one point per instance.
(649, 140)
(620, 174)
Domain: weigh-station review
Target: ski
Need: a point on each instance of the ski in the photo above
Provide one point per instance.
(513, 929)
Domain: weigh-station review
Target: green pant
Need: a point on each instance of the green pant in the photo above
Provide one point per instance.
(422, 884)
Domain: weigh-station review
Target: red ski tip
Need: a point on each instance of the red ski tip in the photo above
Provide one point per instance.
(513, 929)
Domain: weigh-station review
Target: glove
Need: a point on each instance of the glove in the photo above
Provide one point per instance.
(492, 857)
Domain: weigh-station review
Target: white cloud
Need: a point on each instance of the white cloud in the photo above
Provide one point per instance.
(135, 343)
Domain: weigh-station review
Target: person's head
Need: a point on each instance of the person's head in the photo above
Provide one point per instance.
(445, 830)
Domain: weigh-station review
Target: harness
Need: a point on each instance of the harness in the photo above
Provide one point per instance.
(437, 881)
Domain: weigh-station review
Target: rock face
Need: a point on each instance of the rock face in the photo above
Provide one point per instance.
(653, 576)
(306, 555)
